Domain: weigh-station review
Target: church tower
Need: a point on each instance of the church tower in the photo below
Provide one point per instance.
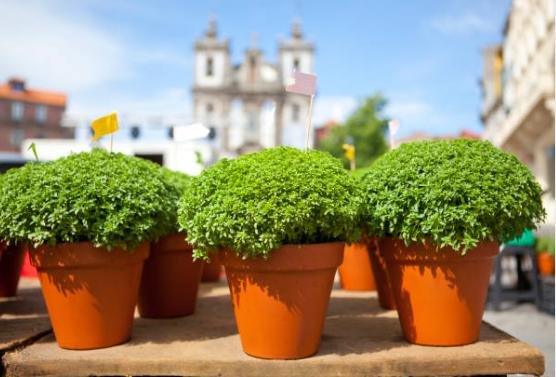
(211, 72)
(245, 102)
(295, 54)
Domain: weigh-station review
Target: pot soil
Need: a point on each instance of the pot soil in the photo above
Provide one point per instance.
(211, 270)
(545, 262)
(280, 303)
(170, 279)
(380, 273)
(440, 294)
(11, 262)
(90, 293)
(356, 273)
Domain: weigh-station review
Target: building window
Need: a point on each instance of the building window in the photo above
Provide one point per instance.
(210, 108)
(296, 64)
(295, 112)
(17, 111)
(16, 137)
(18, 86)
(210, 67)
(40, 113)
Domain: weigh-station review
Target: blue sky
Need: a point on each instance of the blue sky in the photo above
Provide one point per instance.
(136, 56)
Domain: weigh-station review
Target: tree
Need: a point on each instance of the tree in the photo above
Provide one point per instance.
(365, 129)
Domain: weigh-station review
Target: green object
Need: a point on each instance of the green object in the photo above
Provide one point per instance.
(526, 239)
(260, 201)
(454, 193)
(108, 199)
(545, 244)
(177, 183)
(199, 158)
(366, 128)
(33, 149)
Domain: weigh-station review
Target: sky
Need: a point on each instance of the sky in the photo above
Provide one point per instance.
(136, 56)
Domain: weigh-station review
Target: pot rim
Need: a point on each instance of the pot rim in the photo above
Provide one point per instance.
(395, 250)
(289, 257)
(84, 254)
(175, 242)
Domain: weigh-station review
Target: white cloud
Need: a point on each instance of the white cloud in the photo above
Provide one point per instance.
(56, 45)
(160, 108)
(466, 23)
(412, 109)
(337, 108)
(418, 115)
(52, 48)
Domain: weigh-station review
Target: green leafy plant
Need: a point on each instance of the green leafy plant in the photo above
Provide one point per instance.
(454, 193)
(108, 199)
(545, 244)
(260, 201)
(177, 183)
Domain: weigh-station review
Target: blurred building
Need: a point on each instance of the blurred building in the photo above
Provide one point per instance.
(518, 91)
(324, 130)
(29, 113)
(245, 103)
(423, 136)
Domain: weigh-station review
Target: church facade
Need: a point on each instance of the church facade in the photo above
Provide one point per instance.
(245, 103)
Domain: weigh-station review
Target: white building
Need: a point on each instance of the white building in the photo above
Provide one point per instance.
(518, 91)
(246, 103)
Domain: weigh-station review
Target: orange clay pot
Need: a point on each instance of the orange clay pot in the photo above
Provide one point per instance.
(546, 263)
(380, 273)
(90, 293)
(440, 295)
(356, 273)
(170, 279)
(211, 270)
(280, 304)
(11, 262)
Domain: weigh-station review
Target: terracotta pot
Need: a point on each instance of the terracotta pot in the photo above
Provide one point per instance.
(546, 263)
(280, 304)
(440, 295)
(11, 261)
(356, 273)
(170, 279)
(27, 270)
(380, 273)
(90, 293)
(211, 270)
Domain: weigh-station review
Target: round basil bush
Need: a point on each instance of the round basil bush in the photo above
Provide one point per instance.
(177, 183)
(454, 193)
(109, 199)
(260, 201)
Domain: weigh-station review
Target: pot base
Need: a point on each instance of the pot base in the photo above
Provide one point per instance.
(439, 295)
(380, 273)
(90, 293)
(355, 272)
(280, 304)
(11, 262)
(170, 280)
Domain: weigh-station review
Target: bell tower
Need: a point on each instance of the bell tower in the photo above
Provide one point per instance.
(296, 54)
(212, 58)
(211, 75)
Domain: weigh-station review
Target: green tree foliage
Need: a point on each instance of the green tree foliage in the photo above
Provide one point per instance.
(108, 199)
(260, 201)
(366, 128)
(454, 193)
(545, 244)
